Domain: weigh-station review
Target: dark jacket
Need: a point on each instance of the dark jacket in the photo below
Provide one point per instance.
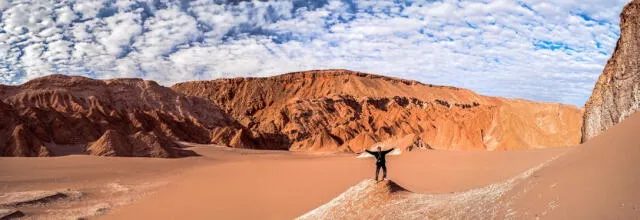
(380, 155)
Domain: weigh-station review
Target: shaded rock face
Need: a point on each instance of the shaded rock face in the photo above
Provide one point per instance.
(617, 92)
(111, 144)
(66, 110)
(15, 139)
(341, 110)
(140, 144)
(328, 110)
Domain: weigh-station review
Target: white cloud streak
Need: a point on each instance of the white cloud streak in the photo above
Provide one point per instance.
(515, 48)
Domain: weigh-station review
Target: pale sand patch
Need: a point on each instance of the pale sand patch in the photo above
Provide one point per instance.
(285, 185)
(365, 201)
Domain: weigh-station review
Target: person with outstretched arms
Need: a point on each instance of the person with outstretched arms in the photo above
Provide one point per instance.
(380, 161)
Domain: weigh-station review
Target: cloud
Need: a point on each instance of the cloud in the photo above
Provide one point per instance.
(515, 48)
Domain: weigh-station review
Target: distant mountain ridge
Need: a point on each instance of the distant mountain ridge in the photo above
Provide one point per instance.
(320, 111)
(58, 115)
(342, 110)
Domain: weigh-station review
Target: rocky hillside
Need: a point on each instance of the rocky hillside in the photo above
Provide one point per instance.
(617, 92)
(59, 115)
(341, 110)
(331, 110)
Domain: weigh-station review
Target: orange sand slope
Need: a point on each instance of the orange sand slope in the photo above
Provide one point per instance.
(595, 181)
(598, 179)
(280, 186)
(81, 186)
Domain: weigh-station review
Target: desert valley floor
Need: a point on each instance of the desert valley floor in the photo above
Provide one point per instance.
(245, 183)
(231, 183)
(286, 146)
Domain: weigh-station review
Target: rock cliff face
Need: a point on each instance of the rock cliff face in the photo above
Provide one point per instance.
(617, 92)
(15, 140)
(66, 111)
(140, 144)
(341, 110)
(330, 110)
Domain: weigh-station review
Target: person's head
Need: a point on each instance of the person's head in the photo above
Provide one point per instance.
(379, 148)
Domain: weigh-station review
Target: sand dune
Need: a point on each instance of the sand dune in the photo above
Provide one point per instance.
(236, 183)
(598, 178)
(277, 186)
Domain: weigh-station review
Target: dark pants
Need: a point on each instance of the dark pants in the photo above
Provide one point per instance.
(384, 171)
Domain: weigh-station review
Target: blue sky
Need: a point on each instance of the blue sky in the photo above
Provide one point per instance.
(529, 49)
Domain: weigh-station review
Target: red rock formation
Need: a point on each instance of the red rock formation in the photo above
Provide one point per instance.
(140, 144)
(333, 110)
(110, 144)
(341, 110)
(66, 110)
(16, 140)
(616, 95)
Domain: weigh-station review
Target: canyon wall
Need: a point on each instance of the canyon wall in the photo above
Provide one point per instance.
(616, 95)
(60, 115)
(341, 110)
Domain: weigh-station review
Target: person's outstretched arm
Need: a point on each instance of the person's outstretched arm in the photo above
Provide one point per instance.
(387, 151)
(370, 152)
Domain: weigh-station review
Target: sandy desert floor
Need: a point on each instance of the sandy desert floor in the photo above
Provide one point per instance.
(598, 178)
(231, 183)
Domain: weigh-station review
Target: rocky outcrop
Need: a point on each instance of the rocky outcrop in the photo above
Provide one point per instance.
(69, 110)
(341, 110)
(617, 92)
(140, 144)
(15, 139)
(329, 111)
(368, 199)
(110, 144)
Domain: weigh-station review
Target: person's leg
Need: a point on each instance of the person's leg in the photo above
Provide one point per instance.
(384, 171)
(377, 171)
